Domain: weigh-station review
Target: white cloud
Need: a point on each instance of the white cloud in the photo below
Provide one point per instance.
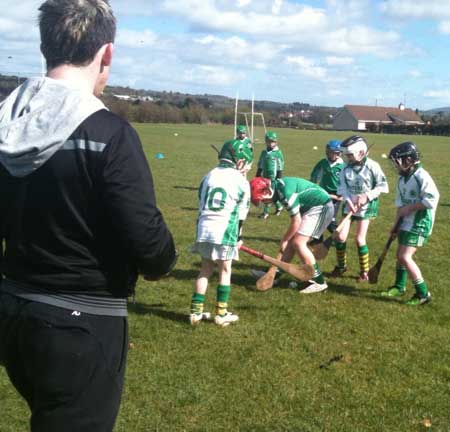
(441, 95)
(338, 61)
(276, 7)
(243, 3)
(417, 9)
(444, 27)
(307, 67)
(212, 75)
(415, 73)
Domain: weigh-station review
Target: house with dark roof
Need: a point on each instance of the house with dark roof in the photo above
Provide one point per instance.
(360, 117)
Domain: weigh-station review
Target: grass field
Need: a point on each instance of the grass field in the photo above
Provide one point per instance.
(344, 360)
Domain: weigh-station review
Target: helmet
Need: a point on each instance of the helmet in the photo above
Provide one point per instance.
(241, 129)
(405, 156)
(234, 150)
(334, 146)
(355, 146)
(271, 136)
(260, 188)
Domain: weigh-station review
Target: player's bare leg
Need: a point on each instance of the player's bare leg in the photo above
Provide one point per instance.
(201, 286)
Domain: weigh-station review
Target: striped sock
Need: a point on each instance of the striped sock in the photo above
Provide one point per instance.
(341, 254)
(363, 253)
(401, 276)
(223, 295)
(197, 302)
(421, 287)
(318, 276)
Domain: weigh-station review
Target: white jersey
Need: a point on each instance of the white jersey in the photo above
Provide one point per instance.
(367, 178)
(224, 196)
(419, 187)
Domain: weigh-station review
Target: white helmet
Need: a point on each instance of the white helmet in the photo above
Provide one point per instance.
(355, 146)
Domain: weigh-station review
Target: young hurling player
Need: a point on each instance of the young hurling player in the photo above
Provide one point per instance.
(361, 183)
(224, 200)
(241, 135)
(271, 165)
(326, 174)
(416, 201)
(311, 211)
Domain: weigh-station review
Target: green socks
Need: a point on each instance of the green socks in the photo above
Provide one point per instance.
(363, 253)
(197, 303)
(341, 254)
(223, 294)
(421, 287)
(401, 276)
(318, 276)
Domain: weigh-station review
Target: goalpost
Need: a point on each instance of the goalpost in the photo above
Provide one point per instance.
(249, 118)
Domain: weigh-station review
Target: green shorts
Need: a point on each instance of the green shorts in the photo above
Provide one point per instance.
(407, 238)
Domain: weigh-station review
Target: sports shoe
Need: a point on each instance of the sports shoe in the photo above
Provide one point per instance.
(363, 277)
(278, 211)
(194, 318)
(314, 287)
(260, 273)
(393, 291)
(417, 300)
(225, 320)
(264, 216)
(338, 271)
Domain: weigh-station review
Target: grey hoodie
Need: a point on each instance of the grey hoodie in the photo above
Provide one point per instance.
(37, 118)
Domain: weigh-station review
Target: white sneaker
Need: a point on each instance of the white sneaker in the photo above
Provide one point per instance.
(260, 273)
(194, 319)
(314, 287)
(226, 319)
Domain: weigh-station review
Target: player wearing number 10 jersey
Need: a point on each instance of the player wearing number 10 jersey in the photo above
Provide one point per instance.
(224, 201)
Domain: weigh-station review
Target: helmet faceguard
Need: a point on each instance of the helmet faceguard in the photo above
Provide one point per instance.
(237, 154)
(261, 190)
(355, 149)
(271, 139)
(405, 157)
(241, 130)
(333, 150)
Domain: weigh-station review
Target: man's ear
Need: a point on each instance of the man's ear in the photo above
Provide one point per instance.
(107, 54)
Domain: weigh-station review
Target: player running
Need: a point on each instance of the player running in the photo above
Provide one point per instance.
(416, 202)
(224, 201)
(361, 183)
(271, 165)
(311, 211)
(326, 174)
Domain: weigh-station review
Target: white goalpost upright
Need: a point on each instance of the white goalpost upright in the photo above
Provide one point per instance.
(252, 114)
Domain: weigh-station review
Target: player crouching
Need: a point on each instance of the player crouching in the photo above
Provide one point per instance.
(416, 201)
(224, 201)
(311, 211)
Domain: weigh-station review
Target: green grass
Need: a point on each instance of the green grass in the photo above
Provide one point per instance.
(264, 373)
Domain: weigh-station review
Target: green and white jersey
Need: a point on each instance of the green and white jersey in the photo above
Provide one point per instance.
(367, 178)
(326, 174)
(418, 187)
(224, 199)
(299, 195)
(270, 162)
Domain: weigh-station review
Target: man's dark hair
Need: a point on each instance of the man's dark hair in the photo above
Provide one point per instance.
(72, 31)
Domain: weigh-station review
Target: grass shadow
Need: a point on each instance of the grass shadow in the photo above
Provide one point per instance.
(157, 309)
(189, 208)
(192, 188)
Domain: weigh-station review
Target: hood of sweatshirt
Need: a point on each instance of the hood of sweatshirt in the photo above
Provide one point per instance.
(37, 118)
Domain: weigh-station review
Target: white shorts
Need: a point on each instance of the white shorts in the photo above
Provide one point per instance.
(315, 221)
(216, 252)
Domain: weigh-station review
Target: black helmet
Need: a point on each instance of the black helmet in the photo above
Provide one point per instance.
(405, 156)
(405, 150)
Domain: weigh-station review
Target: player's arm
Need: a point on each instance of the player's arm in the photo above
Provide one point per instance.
(128, 193)
(381, 185)
(316, 174)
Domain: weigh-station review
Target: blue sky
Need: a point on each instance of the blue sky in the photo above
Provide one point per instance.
(330, 52)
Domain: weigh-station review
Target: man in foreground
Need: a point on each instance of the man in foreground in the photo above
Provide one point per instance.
(79, 222)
